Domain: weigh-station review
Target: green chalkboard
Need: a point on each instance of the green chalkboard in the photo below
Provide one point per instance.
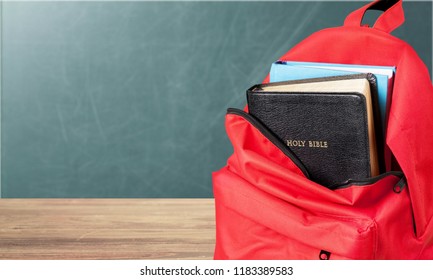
(127, 99)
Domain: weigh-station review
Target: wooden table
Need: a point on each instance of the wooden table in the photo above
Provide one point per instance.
(107, 228)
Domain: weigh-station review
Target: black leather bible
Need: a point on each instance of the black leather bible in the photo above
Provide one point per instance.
(331, 124)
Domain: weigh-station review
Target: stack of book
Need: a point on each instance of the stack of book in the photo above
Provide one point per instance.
(332, 116)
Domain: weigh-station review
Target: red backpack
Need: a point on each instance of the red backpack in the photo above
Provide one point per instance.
(267, 209)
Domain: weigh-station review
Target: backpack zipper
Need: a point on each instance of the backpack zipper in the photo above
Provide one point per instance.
(286, 150)
(369, 181)
(270, 136)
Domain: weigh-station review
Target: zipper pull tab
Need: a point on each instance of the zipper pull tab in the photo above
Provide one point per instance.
(324, 255)
(399, 187)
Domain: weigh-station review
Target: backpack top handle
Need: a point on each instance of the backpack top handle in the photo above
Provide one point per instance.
(392, 17)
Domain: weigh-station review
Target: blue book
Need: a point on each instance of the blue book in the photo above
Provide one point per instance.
(292, 70)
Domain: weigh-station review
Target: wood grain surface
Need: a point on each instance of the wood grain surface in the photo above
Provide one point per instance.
(107, 228)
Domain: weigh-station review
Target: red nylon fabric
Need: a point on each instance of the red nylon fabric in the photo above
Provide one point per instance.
(266, 208)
